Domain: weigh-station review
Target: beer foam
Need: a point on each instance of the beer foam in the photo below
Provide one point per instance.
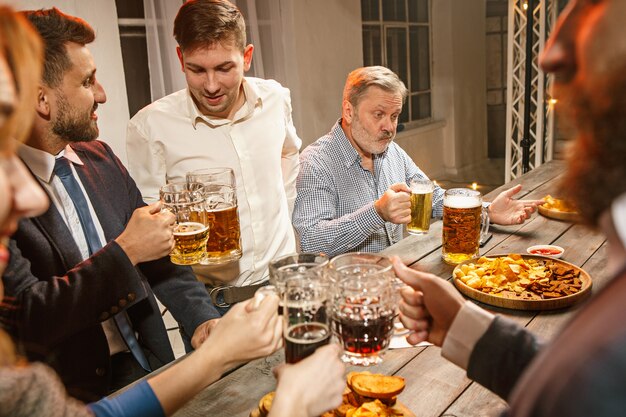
(195, 225)
(461, 202)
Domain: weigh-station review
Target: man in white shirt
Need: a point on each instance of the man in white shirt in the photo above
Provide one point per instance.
(581, 371)
(223, 119)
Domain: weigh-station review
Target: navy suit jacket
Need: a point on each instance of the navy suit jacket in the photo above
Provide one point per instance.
(62, 299)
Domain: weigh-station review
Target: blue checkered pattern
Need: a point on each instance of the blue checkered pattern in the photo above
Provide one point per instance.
(334, 209)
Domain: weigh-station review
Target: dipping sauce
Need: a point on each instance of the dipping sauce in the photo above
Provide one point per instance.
(545, 251)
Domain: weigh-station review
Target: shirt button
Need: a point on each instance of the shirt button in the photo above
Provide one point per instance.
(104, 316)
(131, 297)
(114, 310)
(101, 371)
(122, 303)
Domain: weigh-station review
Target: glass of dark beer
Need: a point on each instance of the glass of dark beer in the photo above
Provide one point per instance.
(220, 194)
(363, 304)
(305, 317)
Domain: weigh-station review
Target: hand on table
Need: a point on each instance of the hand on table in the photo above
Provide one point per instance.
(149, 234)
(505, 210)
(395, 204)
(311, 386)
(429, 306)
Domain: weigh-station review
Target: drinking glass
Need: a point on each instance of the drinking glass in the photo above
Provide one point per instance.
(421, 206)
(220, 194)
(295, 265)
(305, 317)
(465, 221)
(363, 305)
(191, 232)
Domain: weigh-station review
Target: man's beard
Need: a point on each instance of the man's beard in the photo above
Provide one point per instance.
(73, 125)
(596, 173)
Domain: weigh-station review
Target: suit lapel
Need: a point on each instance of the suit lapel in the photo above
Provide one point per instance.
(55, 230)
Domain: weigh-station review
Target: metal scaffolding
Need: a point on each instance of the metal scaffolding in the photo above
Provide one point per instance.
(529, 119)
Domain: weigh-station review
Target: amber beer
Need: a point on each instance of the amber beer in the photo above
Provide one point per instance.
(224, 239)
(421, 206)
(190, 238)
(462, 220)
(185, 201)
(220, 214)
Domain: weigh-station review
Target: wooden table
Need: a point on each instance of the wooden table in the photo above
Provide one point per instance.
(435, 387)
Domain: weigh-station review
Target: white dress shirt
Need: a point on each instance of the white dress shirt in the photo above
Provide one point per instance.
(41, 165)
(170, 137)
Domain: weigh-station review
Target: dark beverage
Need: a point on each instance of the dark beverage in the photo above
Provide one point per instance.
(302, 339)
(363, 337)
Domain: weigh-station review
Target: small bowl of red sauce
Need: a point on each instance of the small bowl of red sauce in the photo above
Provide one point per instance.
(551, 251)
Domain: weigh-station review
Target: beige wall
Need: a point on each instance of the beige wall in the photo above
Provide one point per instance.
(323, 44)
(102, 16)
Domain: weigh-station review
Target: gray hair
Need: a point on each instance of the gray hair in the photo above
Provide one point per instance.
(361, 79)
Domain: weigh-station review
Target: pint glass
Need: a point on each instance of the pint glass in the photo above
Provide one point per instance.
(220, 194)
(464, 220)
(190, 232)
(421, 206)
(363, 303)
(305, 317)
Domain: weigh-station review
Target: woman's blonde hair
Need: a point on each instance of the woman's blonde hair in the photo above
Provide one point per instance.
(21, 47)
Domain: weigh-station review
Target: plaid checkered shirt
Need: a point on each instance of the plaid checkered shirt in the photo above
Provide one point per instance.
(334, 210)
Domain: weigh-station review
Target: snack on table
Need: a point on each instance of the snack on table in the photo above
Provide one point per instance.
(552, 203)
(513, 276)
(366, 395)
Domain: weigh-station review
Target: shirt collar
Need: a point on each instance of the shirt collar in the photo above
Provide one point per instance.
(41, 163)
(252, 100)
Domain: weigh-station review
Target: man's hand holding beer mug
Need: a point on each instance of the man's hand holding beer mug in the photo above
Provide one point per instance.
(148, 234)
(395, 204)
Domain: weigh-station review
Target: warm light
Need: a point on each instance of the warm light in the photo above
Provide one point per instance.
(474, 186)
(553, 101)
(525, 5)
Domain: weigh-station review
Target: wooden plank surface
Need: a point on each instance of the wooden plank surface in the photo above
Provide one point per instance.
(436, 387)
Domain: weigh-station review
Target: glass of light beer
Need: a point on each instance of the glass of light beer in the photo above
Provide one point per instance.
(220, 194)
(421, 206)
(464, 220)
(295, 265)
(191, 232)
(305, 317)
(363, 304)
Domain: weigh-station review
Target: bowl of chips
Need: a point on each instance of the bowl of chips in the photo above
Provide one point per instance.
(558, 209)
(523, 282)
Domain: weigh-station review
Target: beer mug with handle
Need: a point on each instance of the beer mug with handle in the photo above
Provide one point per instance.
(363, 304)
(295, 265)
(186, 202)
(421, 206)
(465, 222)
(220, 194)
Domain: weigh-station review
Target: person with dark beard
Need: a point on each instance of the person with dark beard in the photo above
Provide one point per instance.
(85, 273)
(582, 372)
